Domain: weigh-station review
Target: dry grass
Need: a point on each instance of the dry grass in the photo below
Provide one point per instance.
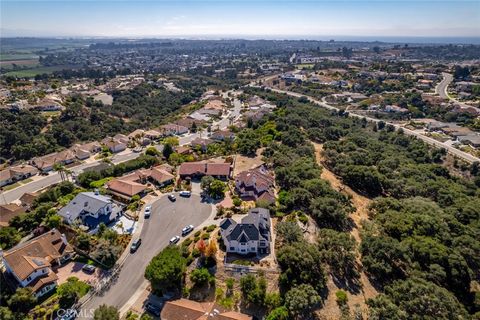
(243, 163)
(330, 309)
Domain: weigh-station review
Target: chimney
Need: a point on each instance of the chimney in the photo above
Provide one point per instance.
(64, 239)
(97, 192)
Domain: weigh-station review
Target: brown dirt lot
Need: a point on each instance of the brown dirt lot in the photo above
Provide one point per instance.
(243, 163)
(330, 309)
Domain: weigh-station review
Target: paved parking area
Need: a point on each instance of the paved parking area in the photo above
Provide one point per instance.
(124, 225)
(74, 269)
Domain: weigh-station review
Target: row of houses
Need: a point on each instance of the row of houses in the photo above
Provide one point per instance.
(458, 133)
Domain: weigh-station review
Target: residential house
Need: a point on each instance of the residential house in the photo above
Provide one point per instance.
(16, 173)
(152, 135)
(48, 105)
(436, 125)
(251, 235)
(121, 137)
(470, 139)
(28, 198)
(254, 102)
(199, 169)
(84, 151)
(395, 109)
(46, 163)
(201, 143)
(184, 309)
(188, 122)
(136, 134)
(183, 150)
(127, 186)
(30, 263)
(222, 135)
(114, 145)
(172, 129)
(90, 209)
(216, 104)
(8, 211)
(256, 184)
(158, 175)
(211, 112)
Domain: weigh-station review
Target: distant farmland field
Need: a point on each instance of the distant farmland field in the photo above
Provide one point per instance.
(9, 64)
(32, 72)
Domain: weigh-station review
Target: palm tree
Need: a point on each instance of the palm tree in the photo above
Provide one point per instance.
(60, 168)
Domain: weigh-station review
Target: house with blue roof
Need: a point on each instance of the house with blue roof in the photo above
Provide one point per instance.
(90, 209)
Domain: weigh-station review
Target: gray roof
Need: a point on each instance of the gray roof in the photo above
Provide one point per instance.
(84, 202)
(255, 226)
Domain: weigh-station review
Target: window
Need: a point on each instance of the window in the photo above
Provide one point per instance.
(44, 271)
(29, 278)
(232, 248)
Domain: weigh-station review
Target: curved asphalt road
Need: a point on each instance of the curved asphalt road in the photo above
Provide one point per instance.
(167, 220)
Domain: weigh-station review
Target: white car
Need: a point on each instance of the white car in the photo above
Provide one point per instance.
(187, 230)
(185, 193)
(174, 240)
(148, 211)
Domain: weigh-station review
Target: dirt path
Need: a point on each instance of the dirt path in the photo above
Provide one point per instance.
(330, 309)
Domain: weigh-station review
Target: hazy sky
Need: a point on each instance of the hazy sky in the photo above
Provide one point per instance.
(240, 18)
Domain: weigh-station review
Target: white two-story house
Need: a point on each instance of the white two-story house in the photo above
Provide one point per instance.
(30, 263)
(251, 236)
(90, 209)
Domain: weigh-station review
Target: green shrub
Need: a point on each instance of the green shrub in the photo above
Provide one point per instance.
(342, 297)
(211, 228)
(187, 242)
(196, 253)
(206, 236)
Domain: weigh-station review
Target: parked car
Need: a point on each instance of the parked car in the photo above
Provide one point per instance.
(153, 309)
(135, 245)
(174, 240)
(187, 230)
(185, 193)
(69, 314)
(88, 268)
(148, 211)
(172, 197)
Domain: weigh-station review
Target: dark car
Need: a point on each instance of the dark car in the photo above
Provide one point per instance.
(135, 245)
(172, 197)
(153, 309)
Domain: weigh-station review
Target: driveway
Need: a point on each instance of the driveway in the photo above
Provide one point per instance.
(74, 269)
(167, 220)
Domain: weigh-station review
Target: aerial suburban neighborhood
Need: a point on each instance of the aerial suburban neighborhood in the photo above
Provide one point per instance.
(238, 177)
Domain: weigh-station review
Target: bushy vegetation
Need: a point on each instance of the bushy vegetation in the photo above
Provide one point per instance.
(423, 236)
(166, 270)
(144, 161)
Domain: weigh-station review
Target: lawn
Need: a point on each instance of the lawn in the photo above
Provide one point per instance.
(11, 186)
